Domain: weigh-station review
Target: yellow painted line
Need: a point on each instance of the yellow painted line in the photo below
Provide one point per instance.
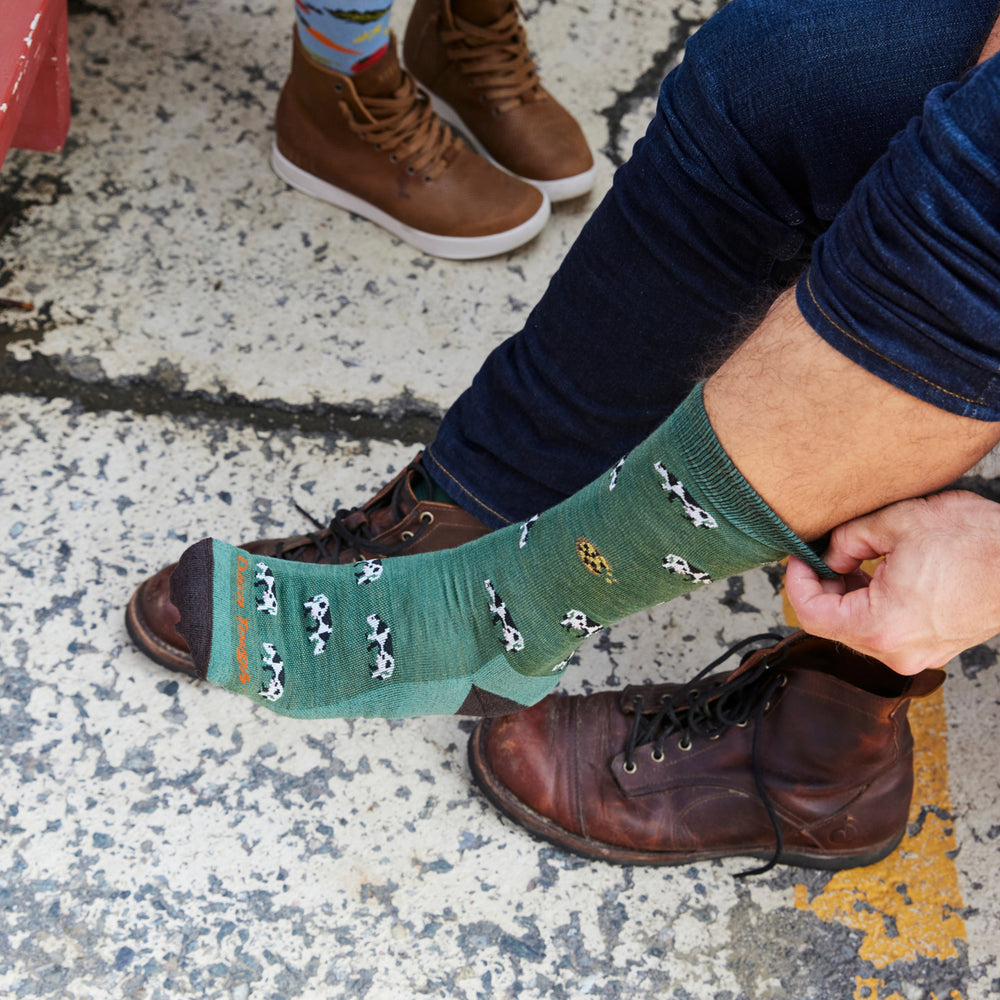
(868, 989)
(907, 904)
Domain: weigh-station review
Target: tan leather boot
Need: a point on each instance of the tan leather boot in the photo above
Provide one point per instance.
(474, 61)
(372, 144)
(394, 522)
(803, 755)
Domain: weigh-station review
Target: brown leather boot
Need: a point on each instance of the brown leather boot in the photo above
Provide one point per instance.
(472, 55)
(393, 523)
(803, 755)
(371, 143)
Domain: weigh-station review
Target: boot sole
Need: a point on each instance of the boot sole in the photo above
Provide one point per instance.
(558, 189)
(543, 828)
(152, 645)
(449, 247)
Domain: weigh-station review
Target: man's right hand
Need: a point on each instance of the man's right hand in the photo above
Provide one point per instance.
(936, 592)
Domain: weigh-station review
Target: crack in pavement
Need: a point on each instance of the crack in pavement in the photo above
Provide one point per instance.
(647, 84)
(403, 418)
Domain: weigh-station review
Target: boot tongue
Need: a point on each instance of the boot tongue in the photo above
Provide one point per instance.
(481, 12)
(383, 518)
(383, 77)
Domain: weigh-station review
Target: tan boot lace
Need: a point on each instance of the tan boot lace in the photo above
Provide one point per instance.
(405, 126)
(495, 58)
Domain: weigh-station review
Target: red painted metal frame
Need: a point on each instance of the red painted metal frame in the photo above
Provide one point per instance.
(34, 75)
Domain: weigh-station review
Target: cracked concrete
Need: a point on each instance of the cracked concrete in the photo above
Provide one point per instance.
(209, 349)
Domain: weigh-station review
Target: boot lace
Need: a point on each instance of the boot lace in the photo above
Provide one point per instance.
(495, 58)
(405, 125)
(694, 711)
(336, 537)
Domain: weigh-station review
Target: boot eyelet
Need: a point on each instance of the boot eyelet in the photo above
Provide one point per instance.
(715, 736)
(394, 158)
(743, 724)
(783, 678)
(427, 517)
(427, 180)
(629, 768)
(657, 755)
(338, 86)
(767, 707)
(684, 743)
(406, 536)
(378, 145)
(410, 170)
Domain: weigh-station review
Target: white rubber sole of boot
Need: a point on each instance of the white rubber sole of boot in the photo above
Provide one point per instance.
(560, 189)
(450, 247)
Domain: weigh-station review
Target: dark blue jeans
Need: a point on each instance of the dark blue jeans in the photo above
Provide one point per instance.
(775, 126)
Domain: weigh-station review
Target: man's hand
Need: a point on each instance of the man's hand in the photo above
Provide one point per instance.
(936, 592)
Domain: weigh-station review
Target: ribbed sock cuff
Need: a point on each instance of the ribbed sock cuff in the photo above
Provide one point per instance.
(731, 495)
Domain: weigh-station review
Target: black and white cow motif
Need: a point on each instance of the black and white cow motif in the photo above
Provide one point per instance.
(577, 621)
(680, 566)
(614, 474)
(381, 641)
(525, 528)
(272, 662)
(320, 625)
(698, 517)
(368, 572)
(266, 599)
(511, 639)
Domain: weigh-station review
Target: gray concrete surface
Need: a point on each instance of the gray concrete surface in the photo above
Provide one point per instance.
(209, 348)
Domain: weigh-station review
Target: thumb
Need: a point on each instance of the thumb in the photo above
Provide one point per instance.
(853, 542)
(832, 609)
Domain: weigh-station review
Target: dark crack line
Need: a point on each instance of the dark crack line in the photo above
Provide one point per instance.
(647, 84)
(76, 8)
(409, 421)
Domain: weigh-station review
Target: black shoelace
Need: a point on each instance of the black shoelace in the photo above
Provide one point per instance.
(692, 713)
(336, 537)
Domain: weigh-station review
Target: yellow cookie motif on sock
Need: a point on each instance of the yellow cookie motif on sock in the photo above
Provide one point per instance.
(593, 561)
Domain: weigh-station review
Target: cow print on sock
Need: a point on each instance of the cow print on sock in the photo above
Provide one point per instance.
(698, 517)
(614, 474)
(511, 639)
(272, 662)
(368, 572)
(525, 528)
(320, 626)
(381, 641)
(266, 599)
(679, 565)
(577, 621)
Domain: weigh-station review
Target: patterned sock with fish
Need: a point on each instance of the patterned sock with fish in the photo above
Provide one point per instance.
(485, 628)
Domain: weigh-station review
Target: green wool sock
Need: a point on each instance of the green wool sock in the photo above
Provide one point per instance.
(487, 627)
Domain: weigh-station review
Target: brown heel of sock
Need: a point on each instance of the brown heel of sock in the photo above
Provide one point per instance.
(191, 594)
